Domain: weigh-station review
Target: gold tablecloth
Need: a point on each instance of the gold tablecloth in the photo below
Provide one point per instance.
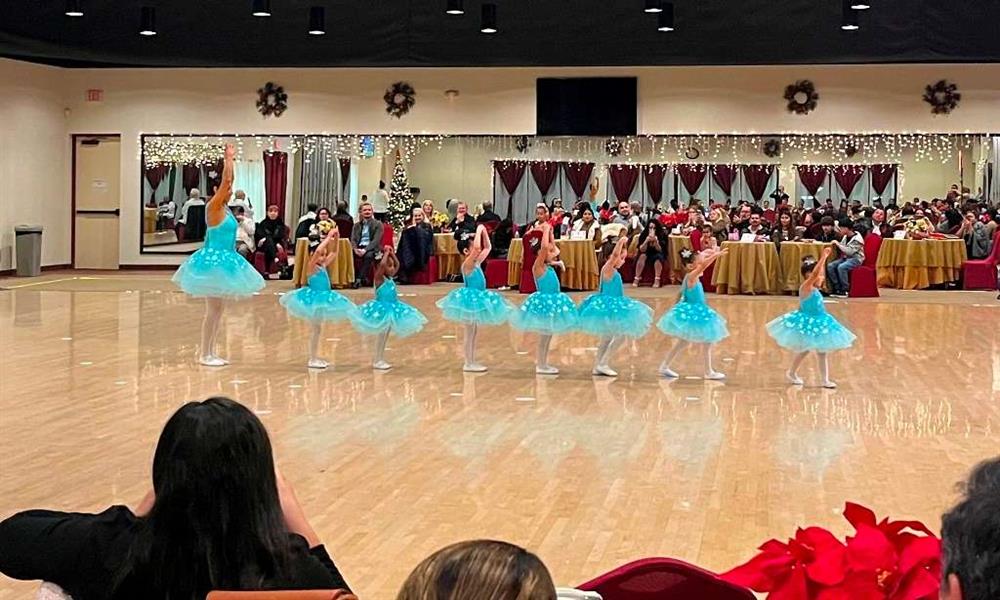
(919, 264)
(581, 264)
(749, 268)
(149, 220)
(341, 270)
(791, 255)
(448, 259)
(675, 244)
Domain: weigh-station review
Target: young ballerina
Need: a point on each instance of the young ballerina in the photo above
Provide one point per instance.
(811, 328)
(385, 314)
(217, 271)
(472, 304)
(548, 311)
(316, 302)
(610, 314)
(691, 320)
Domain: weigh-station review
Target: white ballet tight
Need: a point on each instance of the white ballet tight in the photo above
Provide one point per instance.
(471, 330)
(824, 366)
(606, 348)
(544, 342)
(210, 327)
(380, 342)
(316, 331)
(680, 345)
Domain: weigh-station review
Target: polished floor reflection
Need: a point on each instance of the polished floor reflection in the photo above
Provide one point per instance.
(589, 473)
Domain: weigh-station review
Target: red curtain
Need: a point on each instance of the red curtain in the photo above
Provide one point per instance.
(275, 179)
(623, 180)
(812, 177)
(724, 176)
(190, 177)
(345, 172)
(578, 175)
(757, 177)
(654, 181)
(848, 176)
(154, 175)
(881, 176)
(691, 176)
(544, 173)
(510, 174)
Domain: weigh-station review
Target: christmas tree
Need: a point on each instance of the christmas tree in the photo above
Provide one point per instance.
(400, 198)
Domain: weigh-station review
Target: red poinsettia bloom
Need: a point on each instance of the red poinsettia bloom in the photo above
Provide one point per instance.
(813, 558)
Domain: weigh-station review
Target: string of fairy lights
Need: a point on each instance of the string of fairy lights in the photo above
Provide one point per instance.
(806, 149)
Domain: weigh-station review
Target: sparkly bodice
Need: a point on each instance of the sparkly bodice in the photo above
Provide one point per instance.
(223, 235)
(695, 294)
(613, 286)
(475, 279)
(387, 291)
(812, 304)
(320, 280)
(548, 283)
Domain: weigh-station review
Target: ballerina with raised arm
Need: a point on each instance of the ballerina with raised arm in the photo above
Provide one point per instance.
(385, 313)
(692, 320)
(317, 303)
(217, 271)
(811, 328)
(472, 304)
(610, 314)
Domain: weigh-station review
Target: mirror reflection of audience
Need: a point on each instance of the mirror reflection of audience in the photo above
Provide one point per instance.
(244, 234)
(165, 214)
(213, 466)
(270, 235)
(240, 199)
(306, 221)
(194, 199)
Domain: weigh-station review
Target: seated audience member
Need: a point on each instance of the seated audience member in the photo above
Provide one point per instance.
(218, 516)
(785, 229)
(270, 235)
(463, 221)
(165, 214)
(852, 254)
(306, 221)
(976, 236)
(320, 227)
(756, 225)
(652, 247)
(694, 220)
(479, 570)
(951, 219)
(605, 213)
(488, 216)
(718, 218)
(240, 200)
(742, 217)
(879, 226)
(366, 242)
(244, 234)
(194, 199)
(628, 221)
(708, 240)
(587, 224)
(541, 218)
(343, 220)
(970, 538)
(918, 227)
(416, 245)
(826, 231)
(501, 238)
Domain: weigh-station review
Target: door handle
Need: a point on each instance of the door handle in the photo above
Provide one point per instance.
(116, 212)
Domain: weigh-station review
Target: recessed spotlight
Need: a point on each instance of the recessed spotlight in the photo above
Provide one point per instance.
(147, 23)
(652, 6)
(455, 7)
(850, 18)
(489, 24)
(317, 20)
(665, 20)
(74, 8)
(261, 8)
(858, 5)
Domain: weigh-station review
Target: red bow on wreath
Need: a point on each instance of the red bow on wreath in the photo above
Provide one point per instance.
(887, 560)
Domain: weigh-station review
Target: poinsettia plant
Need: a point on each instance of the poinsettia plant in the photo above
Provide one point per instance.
(883, 560)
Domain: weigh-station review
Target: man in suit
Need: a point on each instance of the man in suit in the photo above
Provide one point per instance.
(366, 242)
(488, 215)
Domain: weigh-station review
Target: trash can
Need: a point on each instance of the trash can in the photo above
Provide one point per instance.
(29, 250)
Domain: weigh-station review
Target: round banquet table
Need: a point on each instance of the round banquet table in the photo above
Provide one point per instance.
(581, 264)
(341, 270)
(919, 264)
(749, 268)
(149, 220)
(791, 255)
(448, 259)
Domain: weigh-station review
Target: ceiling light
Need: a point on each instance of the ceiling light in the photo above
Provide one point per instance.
(147, 24)
(652, 6)
(850, 19)
(859, 5)
(74, 8)
(317, 20)
(665, 20)
(489, 18)
(261, 8)
(455, 7)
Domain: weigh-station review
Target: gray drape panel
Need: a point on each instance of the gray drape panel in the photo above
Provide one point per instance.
(321, 182)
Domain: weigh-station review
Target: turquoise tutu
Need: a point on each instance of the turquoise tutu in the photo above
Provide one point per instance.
(610, 312)
(317, 302)
(217, 269)
(386, 312)
(810, 328)
(547, 311)
(474, 304)
(692, 319)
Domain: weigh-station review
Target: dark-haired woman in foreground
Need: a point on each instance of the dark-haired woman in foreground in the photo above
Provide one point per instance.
(218, 518)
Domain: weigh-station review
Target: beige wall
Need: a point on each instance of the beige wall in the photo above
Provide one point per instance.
(671, 100)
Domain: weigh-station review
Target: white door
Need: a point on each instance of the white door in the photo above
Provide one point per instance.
(98, 202)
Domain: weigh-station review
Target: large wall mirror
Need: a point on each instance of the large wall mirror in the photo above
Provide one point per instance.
(180, 172)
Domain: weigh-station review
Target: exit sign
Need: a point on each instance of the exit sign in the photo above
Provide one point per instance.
(95, 95)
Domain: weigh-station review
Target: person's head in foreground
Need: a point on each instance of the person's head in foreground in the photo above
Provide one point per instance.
(970, 538)
(479, 570)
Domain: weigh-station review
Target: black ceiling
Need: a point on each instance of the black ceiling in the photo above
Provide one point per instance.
(397, 33)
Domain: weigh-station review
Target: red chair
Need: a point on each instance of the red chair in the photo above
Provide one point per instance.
(664, 579)
(982, 274)
(259, 258)
(273, 595)
(864, 283)
(496, 272)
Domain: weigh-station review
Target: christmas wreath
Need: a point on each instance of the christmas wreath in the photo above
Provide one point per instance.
(399, 99)
(522, 144)
(772, 148)
(272, 100)
(692, 153)
(942, 96)
(613, 146)
(801, 96)
(850, 150)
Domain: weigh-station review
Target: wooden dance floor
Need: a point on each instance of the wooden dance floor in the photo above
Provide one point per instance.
(590, 473)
